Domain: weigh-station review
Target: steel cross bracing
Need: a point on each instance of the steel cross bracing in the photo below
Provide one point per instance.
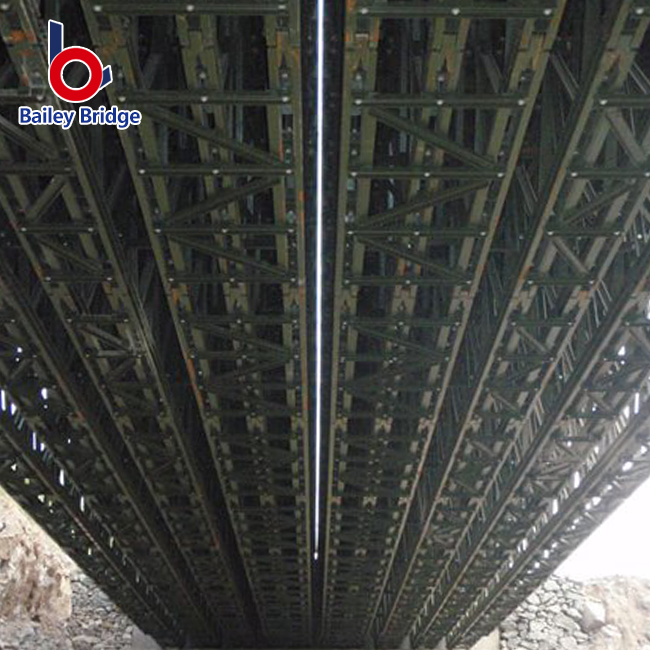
(420, 198)
(587, 469)
(491, 340)
(611, 461)
(528, 317)
(50, 420)
(217, 166)
(37, 357)
(67, 228)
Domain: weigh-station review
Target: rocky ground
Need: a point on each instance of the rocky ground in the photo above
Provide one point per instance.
(46, 601)
(611, 614)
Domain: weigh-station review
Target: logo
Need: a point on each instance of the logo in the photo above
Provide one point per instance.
(99, 76)
(59, 57)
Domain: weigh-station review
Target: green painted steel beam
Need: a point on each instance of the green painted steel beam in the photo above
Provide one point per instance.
(475, 9)
(198, 7)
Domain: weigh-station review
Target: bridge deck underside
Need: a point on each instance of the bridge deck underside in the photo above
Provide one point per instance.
(489, 331)
(490, 283)
(153, 283)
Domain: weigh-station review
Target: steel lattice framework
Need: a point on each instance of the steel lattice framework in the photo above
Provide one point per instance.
(487, 329)
(193, 319)
(465, 317)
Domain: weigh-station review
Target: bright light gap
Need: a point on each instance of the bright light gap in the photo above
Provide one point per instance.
(320, 103)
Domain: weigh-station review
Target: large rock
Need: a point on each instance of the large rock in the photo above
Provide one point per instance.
(34, 575)
(46, 601)
(594, 616)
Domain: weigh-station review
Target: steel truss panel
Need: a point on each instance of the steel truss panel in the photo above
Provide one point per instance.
(490, 342)
(217, 165)
(51, 427)
(32, 476)
(600, 467)
(89, 260)
(514, 362)
(421, 192)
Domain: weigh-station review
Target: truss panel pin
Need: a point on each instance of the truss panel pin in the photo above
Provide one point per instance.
(121, 98)
(215, 172)
(455, 11)
(364, 11)
(639, 11)
(204, 99)
(97, 8)
(141, 171)
(521, 102)
(190, 8)
(548, 11)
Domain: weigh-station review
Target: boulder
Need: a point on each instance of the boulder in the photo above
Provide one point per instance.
(594, 616)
